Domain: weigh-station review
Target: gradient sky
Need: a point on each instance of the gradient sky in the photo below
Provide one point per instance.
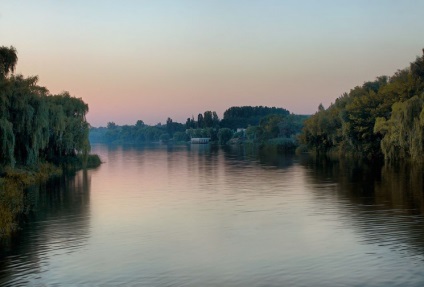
(150, 60)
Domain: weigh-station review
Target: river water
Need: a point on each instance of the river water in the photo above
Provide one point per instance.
(205, 216)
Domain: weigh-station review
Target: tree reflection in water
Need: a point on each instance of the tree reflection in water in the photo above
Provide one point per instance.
(384, 203)
(59, 220)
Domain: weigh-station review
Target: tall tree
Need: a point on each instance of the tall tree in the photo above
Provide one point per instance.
(200, 121)
(208, 119)
(169, 127)
(215, 120)
(188, 123)
(139, 124)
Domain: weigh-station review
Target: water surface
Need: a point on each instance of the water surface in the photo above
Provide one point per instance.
(204, 216)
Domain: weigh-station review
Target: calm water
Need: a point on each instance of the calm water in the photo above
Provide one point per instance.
(211, 217)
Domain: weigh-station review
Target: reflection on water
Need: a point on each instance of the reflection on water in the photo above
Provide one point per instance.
(59, 224)
(207, 216)
(383, 204)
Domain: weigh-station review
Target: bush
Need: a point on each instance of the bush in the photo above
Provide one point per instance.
(302, 149)
(93, 161)
(164, 138)
(283, 144)
(224, 135)
(181, 137)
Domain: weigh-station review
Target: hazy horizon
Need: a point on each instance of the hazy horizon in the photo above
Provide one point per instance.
(149, 60)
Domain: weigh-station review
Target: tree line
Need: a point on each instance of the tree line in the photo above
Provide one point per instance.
(255, 124)
(381, 118)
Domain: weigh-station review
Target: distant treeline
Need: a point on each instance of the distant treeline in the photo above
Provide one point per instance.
(35, 125)
(255, 124)
(384, 117)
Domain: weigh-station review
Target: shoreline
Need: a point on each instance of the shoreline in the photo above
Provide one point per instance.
(14, 181)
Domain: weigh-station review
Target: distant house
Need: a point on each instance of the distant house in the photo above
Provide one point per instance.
(200, 140)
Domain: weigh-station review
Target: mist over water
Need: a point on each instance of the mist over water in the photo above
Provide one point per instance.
(205, 216)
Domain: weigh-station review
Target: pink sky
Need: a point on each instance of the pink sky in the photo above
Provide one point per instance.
(150, 60)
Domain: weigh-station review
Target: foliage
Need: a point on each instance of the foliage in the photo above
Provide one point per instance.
(139, 133)
(276, 126)
(254, 133)
(242, 117)
(92, 161)
(181, 137)
(73, 163)
(172, 127)
(381, 117)
(207, 125)
(164, 138)
(404, 131)
(34, 124)
(8, 60)
(224, 135)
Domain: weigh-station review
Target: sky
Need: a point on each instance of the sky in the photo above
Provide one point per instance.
(150, 60)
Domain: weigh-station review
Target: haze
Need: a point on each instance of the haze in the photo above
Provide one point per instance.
(149, 60)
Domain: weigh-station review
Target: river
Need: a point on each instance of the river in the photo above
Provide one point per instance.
(204, 216)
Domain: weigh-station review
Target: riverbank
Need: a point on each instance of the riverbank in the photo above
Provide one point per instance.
(14, 181)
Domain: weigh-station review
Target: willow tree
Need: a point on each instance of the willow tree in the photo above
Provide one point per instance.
(8, 60)
(68, 126)
(7, 142)
(404, 131)
(29, 114)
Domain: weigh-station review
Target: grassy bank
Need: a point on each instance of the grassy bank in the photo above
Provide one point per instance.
(13, 182)
(12, 185)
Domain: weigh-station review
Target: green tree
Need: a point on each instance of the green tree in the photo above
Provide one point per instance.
(270, 126)
(200, 121)
(242, 117)
(164, 138)
(28, 112)
(215, 120)
(71, 135)
(224, 135)
(7, 143)
(404, 131)
(169, 127)
(208, 119)
(181, 137)
(188, 124)
(254, 133)
(139, 124)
